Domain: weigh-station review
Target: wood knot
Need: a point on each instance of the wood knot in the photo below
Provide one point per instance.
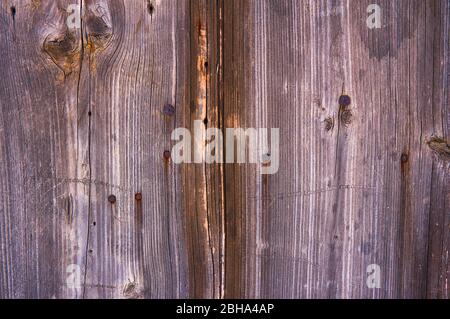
(440, 147)
(132, 291)
(346, 116)
(64, 50)
(329, 123)
(98, 31)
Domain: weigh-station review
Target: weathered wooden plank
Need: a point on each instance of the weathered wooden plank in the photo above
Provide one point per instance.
(202, 215)
(90, 196)
(104, 135)
(136, 54)
(44, 154)
(351, 190)
(238, 111)
(213, 67)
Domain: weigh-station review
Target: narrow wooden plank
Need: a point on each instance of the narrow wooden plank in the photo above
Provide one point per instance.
(43, 163)
(136, 52)
(238, 111)
(214, 120)
(202, 182)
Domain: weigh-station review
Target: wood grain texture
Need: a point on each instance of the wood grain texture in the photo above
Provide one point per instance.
(133, 57)
(342, 199)
(44, 152)
(84, 180)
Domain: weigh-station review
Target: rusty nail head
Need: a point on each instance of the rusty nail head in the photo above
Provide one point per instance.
(112, 199)
(345, 100)
(138, 196)
(404, 158)
(169, 110)
(166, 155)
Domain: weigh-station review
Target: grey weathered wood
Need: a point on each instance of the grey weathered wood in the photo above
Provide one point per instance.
(81, 119)
(342, 199)
(44, 147)
(80, 126)
(135, 62)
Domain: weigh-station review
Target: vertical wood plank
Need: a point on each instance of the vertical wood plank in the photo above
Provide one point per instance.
(136, 54)
(43, 141)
